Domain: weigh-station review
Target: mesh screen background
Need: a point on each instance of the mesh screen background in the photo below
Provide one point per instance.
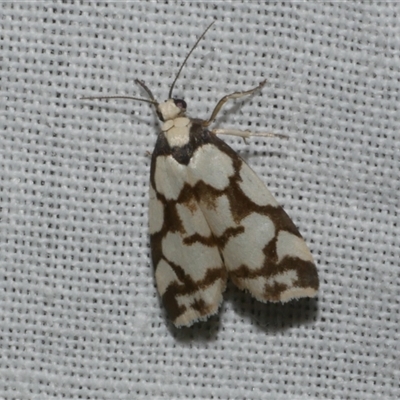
(79, 313)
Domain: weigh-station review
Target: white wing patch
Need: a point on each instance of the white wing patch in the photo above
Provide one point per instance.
(289, 245)
(211, 166)
(297, 293)
(166, 168)
(165, 276)
(247, 248)
(287, 278)
(193, 220)
(251, 184)
(218, 214)
(156, 218)
(176, 251)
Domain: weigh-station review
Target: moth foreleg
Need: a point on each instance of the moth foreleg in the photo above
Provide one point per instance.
(245, 134)
(235, 95)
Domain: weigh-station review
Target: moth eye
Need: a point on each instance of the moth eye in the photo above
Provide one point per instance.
(160, 116)
(180, 103)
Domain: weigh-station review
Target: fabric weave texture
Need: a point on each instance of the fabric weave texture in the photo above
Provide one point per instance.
(80, 317)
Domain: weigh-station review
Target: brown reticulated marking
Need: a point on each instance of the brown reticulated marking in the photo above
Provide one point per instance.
(197, 238)
(306, 271)
(173, 223)
(187, 286)
(227, 235)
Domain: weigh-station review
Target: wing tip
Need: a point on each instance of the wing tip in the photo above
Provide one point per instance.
(296, 293)
(192, 316)
(284, 296)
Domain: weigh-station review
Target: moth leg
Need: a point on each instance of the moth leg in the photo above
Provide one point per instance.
(245, 134)
(235, 95)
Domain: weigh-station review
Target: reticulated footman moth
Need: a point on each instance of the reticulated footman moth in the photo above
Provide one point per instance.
(211, 217)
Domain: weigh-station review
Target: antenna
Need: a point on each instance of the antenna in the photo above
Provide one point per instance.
(143, 86)
(119, 97)
(184, 62)
(139, 83)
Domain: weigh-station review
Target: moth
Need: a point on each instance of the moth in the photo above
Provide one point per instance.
(211, 217)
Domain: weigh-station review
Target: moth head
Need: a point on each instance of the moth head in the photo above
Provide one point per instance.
(170, 109)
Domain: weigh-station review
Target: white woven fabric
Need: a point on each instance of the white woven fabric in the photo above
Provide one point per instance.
(79, 312)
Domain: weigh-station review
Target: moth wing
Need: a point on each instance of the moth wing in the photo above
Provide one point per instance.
(261, 247)
(189, 271)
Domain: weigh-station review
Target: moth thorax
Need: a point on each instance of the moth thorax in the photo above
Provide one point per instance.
(171, 109)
